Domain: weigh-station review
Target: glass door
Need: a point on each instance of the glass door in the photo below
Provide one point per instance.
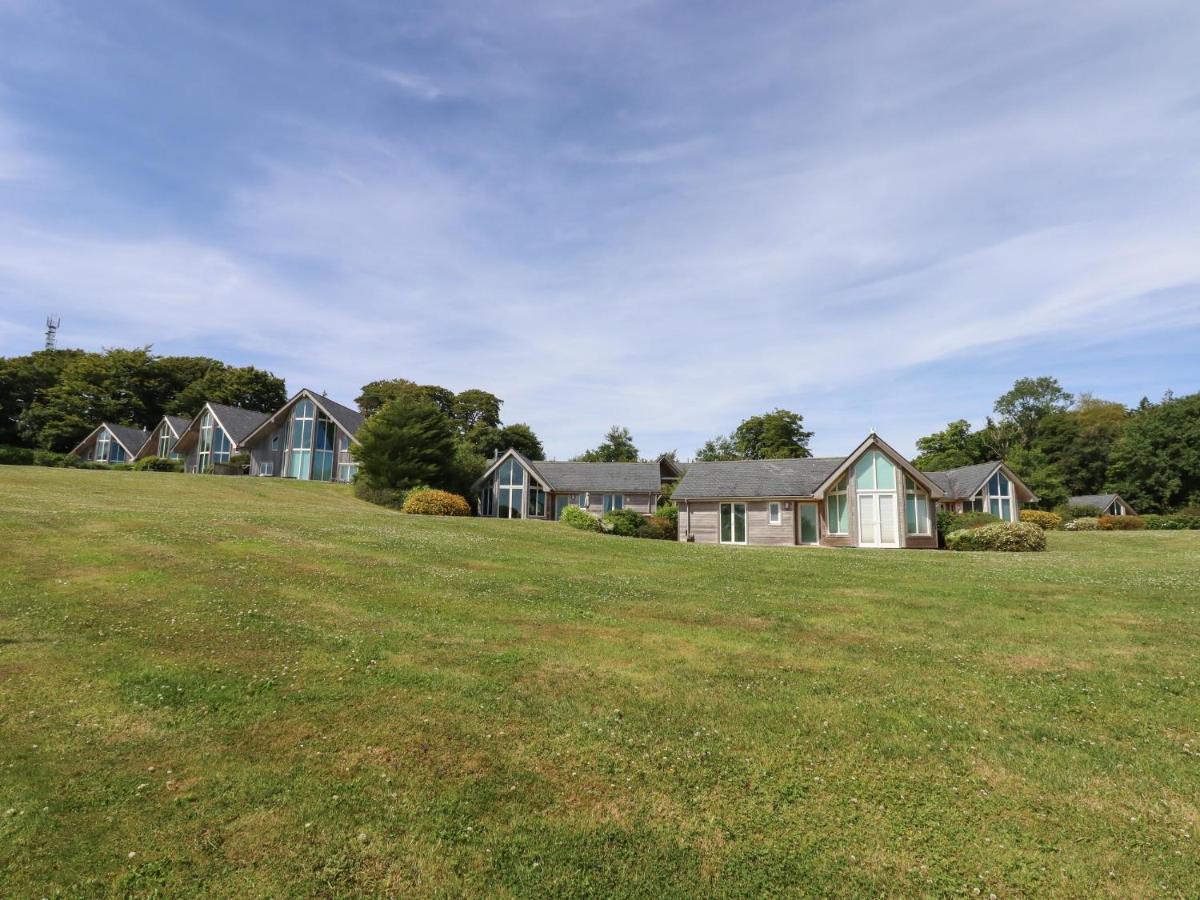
(877, 526)
(808, 523)
(733, 523)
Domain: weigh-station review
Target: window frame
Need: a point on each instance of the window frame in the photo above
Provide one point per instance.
(731, 505)
(912, 491)
(774, 512)
(839, 492)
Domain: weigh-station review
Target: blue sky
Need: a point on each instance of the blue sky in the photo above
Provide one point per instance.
(664, 215)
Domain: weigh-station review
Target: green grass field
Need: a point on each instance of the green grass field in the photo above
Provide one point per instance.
(235, 687)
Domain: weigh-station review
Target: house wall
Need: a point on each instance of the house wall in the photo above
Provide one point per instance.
(701, 520)
(642, 503)
(261, 452)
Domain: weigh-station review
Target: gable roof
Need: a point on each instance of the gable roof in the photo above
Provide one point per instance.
(965, 481)
(617, 477)
(131, 439)
(601, 477)
(744, 478)
(237, 423)
(874, 441)
(177, 424)
(349, 420)
(1104, 501)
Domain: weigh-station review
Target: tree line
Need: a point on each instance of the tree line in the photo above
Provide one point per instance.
(52, 399)
(1065, 446)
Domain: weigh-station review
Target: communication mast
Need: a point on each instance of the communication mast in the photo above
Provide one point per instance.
(52, 323)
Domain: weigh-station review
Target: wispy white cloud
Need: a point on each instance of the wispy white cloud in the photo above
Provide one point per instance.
(666, 220)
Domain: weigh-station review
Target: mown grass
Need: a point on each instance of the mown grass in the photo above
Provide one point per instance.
(247, 688)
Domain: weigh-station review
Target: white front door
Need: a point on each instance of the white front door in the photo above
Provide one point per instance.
(877, 525)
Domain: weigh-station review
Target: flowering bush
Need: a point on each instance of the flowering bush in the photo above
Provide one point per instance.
(1121, 523)
(1047, 521)
(1083, 523)
(432, 502)
(1008, 537)
(578, 518)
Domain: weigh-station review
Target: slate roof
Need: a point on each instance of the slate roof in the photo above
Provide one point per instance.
(1101, 500)
(738, 479)
(238, 422)
(129, 438)
(615, 477)
(349, 419)
(345, 417)
(963, 482)
(178, 424)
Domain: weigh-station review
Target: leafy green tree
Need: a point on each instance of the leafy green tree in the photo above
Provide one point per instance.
(518, 436)
(1027, 403)
(778, 434)
(476, 409)
(1156, 463)
(617, 446)
(1041, 476)
(955, 445)
(717, 449)
(23, 379)
(408, 442)
(242, 386)
(91, 388)
(1080, 441)
(378, 393)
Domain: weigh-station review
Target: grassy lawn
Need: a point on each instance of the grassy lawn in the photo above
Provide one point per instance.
(256, 688)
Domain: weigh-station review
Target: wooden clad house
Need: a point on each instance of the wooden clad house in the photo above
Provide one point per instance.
(308, 438)
(1108, 504)
(162, 440)
(873, 497)
(110, 443)
(514, 487)
(216, 433)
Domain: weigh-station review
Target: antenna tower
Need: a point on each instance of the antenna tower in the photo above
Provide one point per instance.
(52, 323)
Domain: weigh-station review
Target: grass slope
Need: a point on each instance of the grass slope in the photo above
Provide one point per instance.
(259, 688)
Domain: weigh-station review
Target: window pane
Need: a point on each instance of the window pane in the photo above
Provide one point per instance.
(910, 513)
(739, 523)
(885, 473)
(1006, 510)
(619, 501)
(922, 514)
(726, 523)
(1002, 482)
(995, 507)
(773, 514)
(864, 473)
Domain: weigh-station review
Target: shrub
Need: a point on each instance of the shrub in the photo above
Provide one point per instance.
(158, 464)
(1079, 511)
(658, 528)
(432, 502)
(1176, 522)
(1121, 523)
(1005, 537)
(622, 522)
(120, 467)
(49, 458)
(1083, 523)
(16, 456)
(669, 511)
(1047, 521)
(578, 518)
(948, 521)
(389, 497)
